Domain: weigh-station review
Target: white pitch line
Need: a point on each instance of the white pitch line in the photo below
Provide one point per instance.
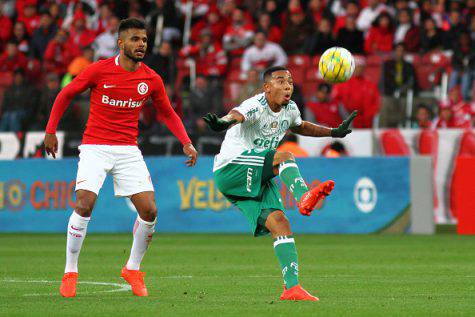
(121, 287)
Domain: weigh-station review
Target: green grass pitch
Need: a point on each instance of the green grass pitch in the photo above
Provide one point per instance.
(237, 275)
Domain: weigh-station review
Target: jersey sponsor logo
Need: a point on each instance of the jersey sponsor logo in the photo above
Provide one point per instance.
(108, 86)
(142, 88)
(121, 103)
(267, 143)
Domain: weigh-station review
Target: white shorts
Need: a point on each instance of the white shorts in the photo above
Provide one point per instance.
(124, 162)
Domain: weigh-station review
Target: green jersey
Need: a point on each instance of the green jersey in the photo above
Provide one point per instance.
(262, 129)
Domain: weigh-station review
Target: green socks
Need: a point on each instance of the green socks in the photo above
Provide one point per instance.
(286, 253)
(290, 175)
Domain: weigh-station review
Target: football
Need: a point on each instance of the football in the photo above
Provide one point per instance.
(336, 65)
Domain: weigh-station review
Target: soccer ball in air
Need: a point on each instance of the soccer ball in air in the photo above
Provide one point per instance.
(336, 65)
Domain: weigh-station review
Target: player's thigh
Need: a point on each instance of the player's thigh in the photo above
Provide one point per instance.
(93, 166)
(130, 174)
(243, 176)
(145, 204)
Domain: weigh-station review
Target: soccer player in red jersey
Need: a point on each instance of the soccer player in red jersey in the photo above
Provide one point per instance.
(119, 88)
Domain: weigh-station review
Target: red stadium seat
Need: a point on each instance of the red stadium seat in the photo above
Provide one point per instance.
(309, 89)
(425, 74)
(393, 144)
(315, 60)
(467, 144)
(298, 74)
(311, 75)
(429, 145)
(231, 93)
(376, 59)
(235, 76)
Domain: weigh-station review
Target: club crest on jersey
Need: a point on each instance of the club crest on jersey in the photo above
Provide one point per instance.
(142, 88)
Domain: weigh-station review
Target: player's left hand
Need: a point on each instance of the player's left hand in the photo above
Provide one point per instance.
(192, 154)
(343, 130)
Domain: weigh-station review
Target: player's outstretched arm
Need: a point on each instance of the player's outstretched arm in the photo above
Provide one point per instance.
(221, 124)
(315, 130)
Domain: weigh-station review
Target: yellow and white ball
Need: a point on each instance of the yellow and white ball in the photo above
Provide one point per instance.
(336, 65)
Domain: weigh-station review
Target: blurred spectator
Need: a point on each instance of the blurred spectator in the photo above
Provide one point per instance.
(238, 35)
(350, 37)
(334, 149)
(202, 99)
(226, 9)
(81, 62)
(318, 11)
(321, 40)
(406, 32)
(463, 65)
(80, 36)
(47, 95)
(359, 94)
(369, 14)
(59, 53)
(272, 8)
(299, 27)
(105, 45)
(212, 22)
(164, 24)
(290, 144)
(42, 35)
(324, 107)
(6, 24)
(12, 59)
(209, 57)
(380, 36)
(17, 103)
(431, 37)
(423, 117)
(55, 13)
(454, 112)
(471, 28)
(102, 23)
(20, 37)
(264, 24)
(29, 17)
(453, 27)
(398, 77)
(163, 63)
(251, 87)
(352, 11)
(262, 54)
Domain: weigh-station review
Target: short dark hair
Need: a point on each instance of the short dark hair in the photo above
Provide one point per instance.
(268, 72)
(131, 23)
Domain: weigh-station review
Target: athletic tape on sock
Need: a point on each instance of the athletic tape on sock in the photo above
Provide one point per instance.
(285, 165)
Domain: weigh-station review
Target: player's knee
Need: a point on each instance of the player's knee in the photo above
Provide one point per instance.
(149, 213)
(287, 156)
(84, 207)
(281, 219)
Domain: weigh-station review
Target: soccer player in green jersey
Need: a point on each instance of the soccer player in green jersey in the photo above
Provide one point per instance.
(248, 161)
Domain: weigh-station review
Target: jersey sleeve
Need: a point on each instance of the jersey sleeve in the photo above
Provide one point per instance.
(249, 109)
(165, 112)
(85, 80)
(295, 115)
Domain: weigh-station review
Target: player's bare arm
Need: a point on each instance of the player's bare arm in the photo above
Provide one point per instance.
(312, 129)
(221, 124)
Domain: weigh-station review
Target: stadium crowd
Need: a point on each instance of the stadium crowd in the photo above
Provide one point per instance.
(403, 48)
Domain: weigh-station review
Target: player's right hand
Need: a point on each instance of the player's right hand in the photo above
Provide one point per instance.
(217, 124)
(51, 144)
(192, 154)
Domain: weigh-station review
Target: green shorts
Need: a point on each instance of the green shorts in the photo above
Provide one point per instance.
(247, 183)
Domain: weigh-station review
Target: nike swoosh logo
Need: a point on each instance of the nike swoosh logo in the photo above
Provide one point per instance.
(80, 182)
(108, 86)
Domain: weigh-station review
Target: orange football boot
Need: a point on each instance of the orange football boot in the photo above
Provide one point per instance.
(310, 199)
(135, 279)
(297, 293)
(68, 284)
